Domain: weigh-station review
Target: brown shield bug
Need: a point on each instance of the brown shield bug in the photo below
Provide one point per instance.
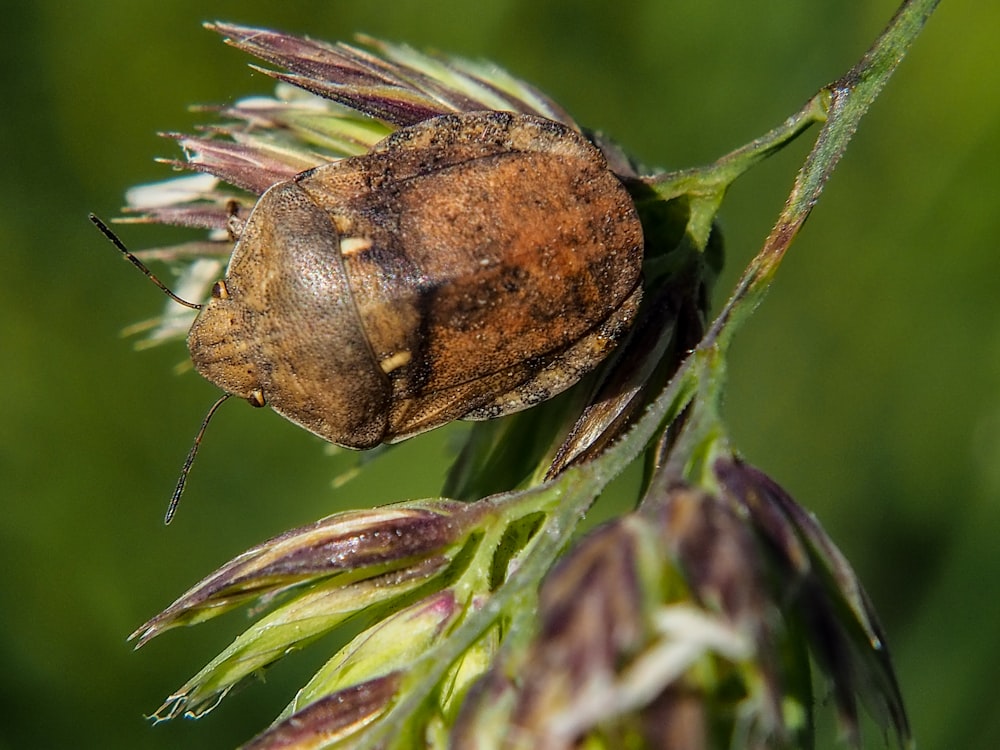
(466, 267)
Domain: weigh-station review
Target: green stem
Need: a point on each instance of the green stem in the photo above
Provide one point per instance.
(705, 187)
(849, 98)
(724, 171)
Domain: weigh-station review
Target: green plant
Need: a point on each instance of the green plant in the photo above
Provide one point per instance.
(690, 621)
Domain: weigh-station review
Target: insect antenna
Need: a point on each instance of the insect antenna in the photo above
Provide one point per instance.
(186, 469)
(113, 238)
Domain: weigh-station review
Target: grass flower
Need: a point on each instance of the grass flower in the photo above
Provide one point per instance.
(695, 620)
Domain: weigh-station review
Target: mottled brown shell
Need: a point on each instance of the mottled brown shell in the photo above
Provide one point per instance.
(467, 267)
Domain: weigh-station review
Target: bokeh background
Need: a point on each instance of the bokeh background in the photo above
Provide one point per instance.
(868, 383)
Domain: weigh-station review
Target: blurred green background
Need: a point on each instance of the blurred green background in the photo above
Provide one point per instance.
(868, 383)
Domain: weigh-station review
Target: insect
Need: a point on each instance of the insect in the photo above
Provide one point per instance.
(466, 267)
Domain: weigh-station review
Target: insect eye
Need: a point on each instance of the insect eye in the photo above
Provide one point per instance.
(219, 290)
(256, 398)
